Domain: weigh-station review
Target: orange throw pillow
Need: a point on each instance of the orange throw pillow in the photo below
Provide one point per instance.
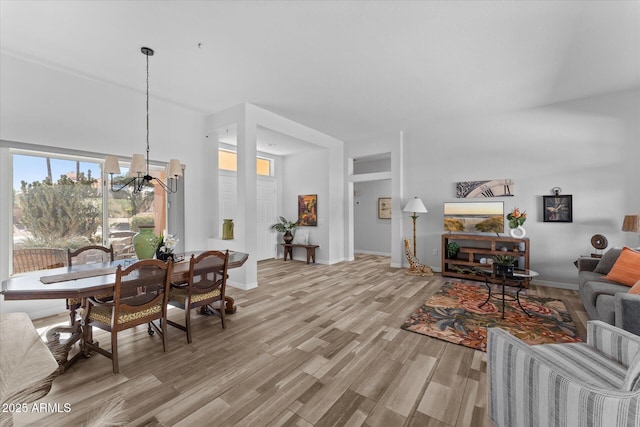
(635, 289)
(626, 270)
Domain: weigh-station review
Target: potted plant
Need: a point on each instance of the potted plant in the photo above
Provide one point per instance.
(452, 250)
(503, 265)
(285, 227)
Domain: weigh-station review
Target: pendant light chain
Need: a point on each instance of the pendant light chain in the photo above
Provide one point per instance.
(147, 55)
(143, 178)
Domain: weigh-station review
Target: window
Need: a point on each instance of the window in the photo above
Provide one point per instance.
(59, 202)
(263, 166)
(228, 160)
(127, 210)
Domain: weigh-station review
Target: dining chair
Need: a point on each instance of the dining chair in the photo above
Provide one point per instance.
(140, 296)
(86, 255)
(206, 285)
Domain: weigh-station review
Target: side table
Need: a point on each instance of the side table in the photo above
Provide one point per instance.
(515, 280)
(311, 251)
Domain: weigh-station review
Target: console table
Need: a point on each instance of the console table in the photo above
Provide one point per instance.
(478, 250)
(311, 251)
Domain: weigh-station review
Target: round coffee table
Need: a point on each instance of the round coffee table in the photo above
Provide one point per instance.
(514, 280)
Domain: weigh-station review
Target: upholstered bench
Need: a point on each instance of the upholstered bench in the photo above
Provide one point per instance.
(311, 251)
(27, 367)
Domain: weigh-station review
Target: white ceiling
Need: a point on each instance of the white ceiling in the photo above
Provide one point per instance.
(349, 69)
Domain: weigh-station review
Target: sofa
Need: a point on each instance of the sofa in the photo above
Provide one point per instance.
(605, 299)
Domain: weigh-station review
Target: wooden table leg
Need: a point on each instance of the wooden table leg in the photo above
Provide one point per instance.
(311, 255)
(229, 308)
(61, 348)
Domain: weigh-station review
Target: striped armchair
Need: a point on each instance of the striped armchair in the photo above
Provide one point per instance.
(596, 383)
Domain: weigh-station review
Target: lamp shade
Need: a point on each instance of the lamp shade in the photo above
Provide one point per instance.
(415, 205)
(174, 168)
(137, 165)
(111, 165)
(631, 223)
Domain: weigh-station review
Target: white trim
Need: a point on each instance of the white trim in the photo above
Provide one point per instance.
(243, 286)
(559, 285)
(360, 251)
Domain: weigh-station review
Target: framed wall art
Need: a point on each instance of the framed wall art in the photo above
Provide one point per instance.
(558, 208)
(308, 210)
(384, 207)
(490, 188)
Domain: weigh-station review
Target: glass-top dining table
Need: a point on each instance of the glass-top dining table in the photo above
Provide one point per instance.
(87, 280)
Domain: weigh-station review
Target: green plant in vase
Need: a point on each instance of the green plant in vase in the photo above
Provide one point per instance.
(452, 250)
(503, 264)
(285, 226)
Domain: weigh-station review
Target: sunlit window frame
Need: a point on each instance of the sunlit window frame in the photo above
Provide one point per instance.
(229, 162)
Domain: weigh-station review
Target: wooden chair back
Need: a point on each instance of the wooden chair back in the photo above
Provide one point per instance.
(140, 296)
(208, 272)
(86, 255)
(207, 285)
(139, 287)
(90, 254)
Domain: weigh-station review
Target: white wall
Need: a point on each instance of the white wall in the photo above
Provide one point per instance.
(306, 173)
(590, 148)
(372, 235)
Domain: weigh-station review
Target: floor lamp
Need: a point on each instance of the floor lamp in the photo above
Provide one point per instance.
(416, 206)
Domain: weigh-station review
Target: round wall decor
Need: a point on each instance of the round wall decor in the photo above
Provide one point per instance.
(598, 241)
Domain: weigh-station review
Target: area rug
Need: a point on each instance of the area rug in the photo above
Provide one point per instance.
(453, 315)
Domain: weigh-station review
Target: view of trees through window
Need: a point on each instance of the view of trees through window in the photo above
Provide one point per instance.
(59, 203)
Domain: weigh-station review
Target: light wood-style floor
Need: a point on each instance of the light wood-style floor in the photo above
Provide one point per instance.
(313, 345)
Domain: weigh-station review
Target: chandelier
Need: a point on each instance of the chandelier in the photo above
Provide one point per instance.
(139, 169)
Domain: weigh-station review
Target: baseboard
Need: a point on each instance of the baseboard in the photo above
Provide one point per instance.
(559, 285)
(360, 251)
(243, 286)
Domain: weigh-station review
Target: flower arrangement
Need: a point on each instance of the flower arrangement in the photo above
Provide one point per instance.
(166, 244)
(516, 218)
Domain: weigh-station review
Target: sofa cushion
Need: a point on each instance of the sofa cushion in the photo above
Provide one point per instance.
(606, 306)
(608, 259)
(590, 276)
(626, 270)
(592, 287)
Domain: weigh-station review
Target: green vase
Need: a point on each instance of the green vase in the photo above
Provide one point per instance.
(227, 229)
(145, 242)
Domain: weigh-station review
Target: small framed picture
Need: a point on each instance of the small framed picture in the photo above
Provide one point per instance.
(557, 208)
(384, 207)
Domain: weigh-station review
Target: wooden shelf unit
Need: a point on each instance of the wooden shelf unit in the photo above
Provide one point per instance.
(473, 247)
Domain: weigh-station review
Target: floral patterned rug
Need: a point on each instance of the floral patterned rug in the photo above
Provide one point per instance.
(453, 315)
